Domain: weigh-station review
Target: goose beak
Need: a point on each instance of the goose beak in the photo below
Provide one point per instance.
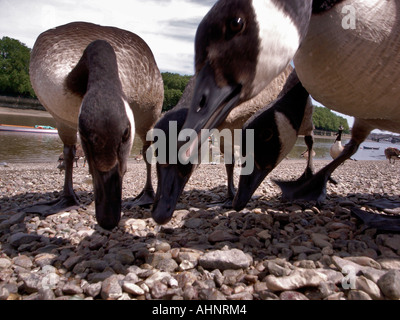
(108, 194)
(248, 185)
(211, 104)
(171, 182)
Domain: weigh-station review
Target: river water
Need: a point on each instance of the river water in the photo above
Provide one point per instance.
(26, 148)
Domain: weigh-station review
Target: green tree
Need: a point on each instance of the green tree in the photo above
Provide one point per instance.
(174, 86)
(326, 120)
(14, 68)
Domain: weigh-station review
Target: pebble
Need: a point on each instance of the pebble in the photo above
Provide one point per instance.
(32, 282)
(358, 295)
(279, 268)
(167, 265)
(23, 261)
(45, 259)
(391, 241)
(369, 287)
(132, 288)
(92, 290)
(292, 295)
(193, 223)
(21, 238)
(389, 283)
(270, 251)
(111, 288)
(300, 278)
(72, 289)
(321, 240)
(352, 268)
(5, 263)
(221, 236)
(14, 219)
(223, 260)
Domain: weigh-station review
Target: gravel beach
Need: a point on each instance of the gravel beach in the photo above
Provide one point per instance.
(271, 250)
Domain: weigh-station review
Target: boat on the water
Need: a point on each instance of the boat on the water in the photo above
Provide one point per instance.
(27, 129)
(371, 148)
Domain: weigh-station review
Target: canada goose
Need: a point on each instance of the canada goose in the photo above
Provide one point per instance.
(346, 56)
(276, 129)
(337, 147)
(97, 80)
(172, 178)
(305, 154)
(79, 154)
(392, 154)
(139, 157)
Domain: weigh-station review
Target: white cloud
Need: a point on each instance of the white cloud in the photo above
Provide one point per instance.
(168, 26)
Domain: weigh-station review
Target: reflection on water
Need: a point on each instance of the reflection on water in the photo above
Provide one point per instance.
(22, 147)
(17, 147)
(322, 149)
(19, 120)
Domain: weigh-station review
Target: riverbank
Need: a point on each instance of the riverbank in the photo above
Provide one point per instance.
(21, 103)
(270, 250)
(40, 113)
(24, 112)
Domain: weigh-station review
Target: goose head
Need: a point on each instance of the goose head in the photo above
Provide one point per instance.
(240, 47)
(266, 153)
(275, 130)
(172, 177)
(106, 128)
(107, 142)
(340, 133)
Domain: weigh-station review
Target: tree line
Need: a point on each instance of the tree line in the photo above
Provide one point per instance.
(14, 69)
(326, 120)
(14, 81)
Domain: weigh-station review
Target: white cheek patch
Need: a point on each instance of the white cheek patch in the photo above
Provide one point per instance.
(280, 41)
(287, 135)
(129, 114)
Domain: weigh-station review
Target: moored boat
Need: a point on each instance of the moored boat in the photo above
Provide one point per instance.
(27, 129)
(370, 148)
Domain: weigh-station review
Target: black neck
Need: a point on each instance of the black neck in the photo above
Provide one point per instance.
(97, 67)
(339, 137)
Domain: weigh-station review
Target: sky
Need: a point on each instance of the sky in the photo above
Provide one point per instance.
(168, 26)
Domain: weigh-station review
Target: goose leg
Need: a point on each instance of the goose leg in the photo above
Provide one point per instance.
(289, 187)
(231, 186)
(309, 172)
(68, 200)
(228, 203)
(313, 188)
(147, 196)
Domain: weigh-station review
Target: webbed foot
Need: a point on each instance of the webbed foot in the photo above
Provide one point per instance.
(145, 199)
(378, 221)
(387, 206)
(309, 188)
(45, 209)
(227, 204)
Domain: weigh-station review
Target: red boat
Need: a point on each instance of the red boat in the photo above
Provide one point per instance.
(26, 129)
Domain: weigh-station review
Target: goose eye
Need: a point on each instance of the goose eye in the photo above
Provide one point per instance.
(127, 134)
(267, 135)
(236, 25)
